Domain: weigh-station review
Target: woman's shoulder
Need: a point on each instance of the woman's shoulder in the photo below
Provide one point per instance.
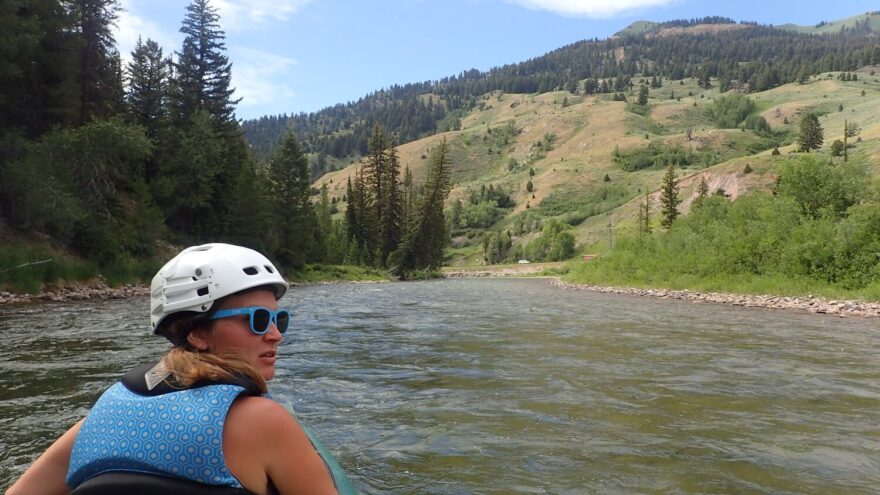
(260, 414)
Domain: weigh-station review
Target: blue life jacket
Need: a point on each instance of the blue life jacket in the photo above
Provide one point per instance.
(170, 434)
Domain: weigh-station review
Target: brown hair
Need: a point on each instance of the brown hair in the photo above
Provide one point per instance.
(188, 366)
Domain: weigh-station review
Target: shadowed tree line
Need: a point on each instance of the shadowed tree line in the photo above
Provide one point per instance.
(112, 160)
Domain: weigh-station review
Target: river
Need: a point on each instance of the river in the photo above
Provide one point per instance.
(506, 386)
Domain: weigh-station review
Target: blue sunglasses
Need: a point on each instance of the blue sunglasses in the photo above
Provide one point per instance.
(259, 318)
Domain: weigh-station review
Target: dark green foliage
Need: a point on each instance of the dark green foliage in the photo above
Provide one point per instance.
(643, 95)
(756, 123)
(427, 235)
(669, 199)
(656, 156)
(187, 180)
(147, 95)
(555, 243)
(837, 148)
(811, 135)
(820, 189)
(729, 111)
(98, 73)
(202, 71)
(27, 268)
(778, 237)
(575, 206)
(747, 169)
(294, 222)
(529, 186)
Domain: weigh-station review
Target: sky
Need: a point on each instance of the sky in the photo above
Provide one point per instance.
(292, 56)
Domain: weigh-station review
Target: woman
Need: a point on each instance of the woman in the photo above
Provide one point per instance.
(198, 421)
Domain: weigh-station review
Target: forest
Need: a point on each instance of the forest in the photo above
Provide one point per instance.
(116, 163)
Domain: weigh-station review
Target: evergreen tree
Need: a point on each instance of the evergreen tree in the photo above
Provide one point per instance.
(390, 224)
(423, 244)
(643, 95)
(290, 191)
(247, 221)
(38, 67)
(669, 199)
(146, 98)
(203, 71)
(98, 75)
(811, 135)
(186, 183)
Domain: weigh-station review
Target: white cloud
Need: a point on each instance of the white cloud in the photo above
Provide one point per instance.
(129, 26)
(259, 78)
(592, 8)
(241, 15)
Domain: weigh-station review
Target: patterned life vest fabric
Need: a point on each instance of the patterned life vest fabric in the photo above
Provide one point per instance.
(177, 434)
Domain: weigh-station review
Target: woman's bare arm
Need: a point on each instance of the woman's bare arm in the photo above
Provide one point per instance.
(47, 474)
(276, 445)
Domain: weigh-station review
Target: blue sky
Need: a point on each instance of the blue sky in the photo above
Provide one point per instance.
(292, 56)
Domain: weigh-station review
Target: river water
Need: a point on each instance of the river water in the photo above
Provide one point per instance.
(510, 387)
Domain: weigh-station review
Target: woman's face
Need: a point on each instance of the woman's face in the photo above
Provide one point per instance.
(233, 334)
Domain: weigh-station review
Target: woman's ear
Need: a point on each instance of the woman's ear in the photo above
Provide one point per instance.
(200, 339)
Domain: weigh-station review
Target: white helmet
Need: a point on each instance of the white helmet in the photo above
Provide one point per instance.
(200, 275)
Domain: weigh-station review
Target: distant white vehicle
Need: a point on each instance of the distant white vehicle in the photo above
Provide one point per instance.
(522, 262)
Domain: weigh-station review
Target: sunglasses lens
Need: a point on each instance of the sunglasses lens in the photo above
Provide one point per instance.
(282, 321)
(260, 321)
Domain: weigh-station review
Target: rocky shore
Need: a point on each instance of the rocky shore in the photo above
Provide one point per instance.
(809, 303)
(77, 292)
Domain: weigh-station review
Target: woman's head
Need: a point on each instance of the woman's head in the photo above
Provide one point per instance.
(190, 284)
(221, 299)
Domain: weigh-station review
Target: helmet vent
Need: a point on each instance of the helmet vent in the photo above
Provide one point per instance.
(268, 268)
(251, 270)
(203, 291)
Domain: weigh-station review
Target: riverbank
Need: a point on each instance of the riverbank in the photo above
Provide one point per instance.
(76, 292)
(818, 305)
(808, 303)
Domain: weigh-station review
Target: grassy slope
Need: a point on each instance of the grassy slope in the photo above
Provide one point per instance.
(588, 129)
(835, 26)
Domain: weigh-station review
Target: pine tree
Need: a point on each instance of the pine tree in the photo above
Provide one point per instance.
(811, 136)
(247, 222)
(290, 190)
(186, 183)
(391, 225)
(643, 95)
(423, 244)
(97, 73)
(203, 71)
(147, 95)
(39, 57)
(669, 199)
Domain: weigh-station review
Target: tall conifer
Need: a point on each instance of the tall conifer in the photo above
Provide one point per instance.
(669, 199)
(290, 187)
(203, 71)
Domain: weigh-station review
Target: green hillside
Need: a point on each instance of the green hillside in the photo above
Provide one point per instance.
(864, 23)
(506, 137)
